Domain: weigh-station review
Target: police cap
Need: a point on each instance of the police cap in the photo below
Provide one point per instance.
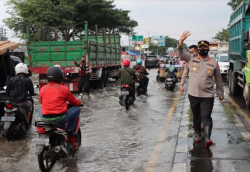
(203, 42)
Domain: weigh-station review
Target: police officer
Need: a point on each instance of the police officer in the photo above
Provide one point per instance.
(203, 71)
(193, 49)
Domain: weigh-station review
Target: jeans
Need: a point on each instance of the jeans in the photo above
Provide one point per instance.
(146, 80)
(70, 119)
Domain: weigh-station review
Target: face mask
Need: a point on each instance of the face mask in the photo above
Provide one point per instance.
(83, 61)
(203, 52)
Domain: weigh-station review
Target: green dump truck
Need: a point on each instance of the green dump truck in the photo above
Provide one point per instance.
(239, 52)
(101, 49)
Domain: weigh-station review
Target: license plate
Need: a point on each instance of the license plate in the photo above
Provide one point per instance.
(137, 84)
(41, 141)
(7, 119)
(124, 93)
(169, 82)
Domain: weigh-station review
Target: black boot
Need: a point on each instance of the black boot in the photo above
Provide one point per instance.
(208, 131)
(197, 130)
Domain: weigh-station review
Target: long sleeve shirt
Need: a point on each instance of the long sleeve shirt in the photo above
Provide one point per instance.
(203, 74)
(184, 75)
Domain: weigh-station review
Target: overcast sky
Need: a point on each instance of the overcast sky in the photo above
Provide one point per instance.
(204, 18)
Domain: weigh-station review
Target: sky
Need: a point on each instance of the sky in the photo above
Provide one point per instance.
(203, 18)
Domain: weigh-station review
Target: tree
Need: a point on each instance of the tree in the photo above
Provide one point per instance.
(222, 35)
(66, 16)
(234, 3)
(169, 42)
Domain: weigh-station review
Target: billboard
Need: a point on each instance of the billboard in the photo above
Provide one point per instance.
(158, 40)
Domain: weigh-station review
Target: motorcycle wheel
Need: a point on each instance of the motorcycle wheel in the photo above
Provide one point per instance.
(46, 160)
(78, 140)
(127, 105)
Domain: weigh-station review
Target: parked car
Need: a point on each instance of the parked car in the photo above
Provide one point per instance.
(151, 61)
(213, 56)
(223, 61)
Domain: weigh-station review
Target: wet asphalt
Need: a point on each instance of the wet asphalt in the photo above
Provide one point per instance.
(142, 139)
(113, 139)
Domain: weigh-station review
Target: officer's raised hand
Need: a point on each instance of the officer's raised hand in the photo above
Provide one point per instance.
(183, 37)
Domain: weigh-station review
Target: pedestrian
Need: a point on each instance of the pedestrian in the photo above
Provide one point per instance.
(193, 49)
(204, 73)
(85, 73)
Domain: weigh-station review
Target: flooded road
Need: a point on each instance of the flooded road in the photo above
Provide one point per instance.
(113, 139)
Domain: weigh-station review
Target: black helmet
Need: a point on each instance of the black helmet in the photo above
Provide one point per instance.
(54, 74)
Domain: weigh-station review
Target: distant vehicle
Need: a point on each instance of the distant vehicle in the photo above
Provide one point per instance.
(213, 56)
(165, 58)
(223, 61)
(224, 52)
(151, 61)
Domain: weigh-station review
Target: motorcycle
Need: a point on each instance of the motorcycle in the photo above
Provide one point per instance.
(14, 121)
(55, 143)
(126, 99)
(170, 84)
(139, 86)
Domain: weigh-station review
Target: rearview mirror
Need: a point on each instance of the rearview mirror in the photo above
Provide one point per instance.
(246, 36)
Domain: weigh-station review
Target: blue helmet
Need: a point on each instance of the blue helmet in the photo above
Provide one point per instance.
(139, 61)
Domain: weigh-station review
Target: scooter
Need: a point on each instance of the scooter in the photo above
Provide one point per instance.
(14, 121)
(139, 86)
(170, 84)
(55, 143)
(126, 98)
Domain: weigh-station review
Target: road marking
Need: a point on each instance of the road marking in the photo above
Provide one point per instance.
(238, 108)
(158, 146)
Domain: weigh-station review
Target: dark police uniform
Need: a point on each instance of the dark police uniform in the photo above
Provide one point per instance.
(204, 73)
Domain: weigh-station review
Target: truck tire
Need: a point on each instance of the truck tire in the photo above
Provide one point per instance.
(101, 81)
(233, 86)
(106, 78)
(247, 95)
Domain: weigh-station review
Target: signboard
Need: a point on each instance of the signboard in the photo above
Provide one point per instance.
(158, 40)
(138, 43)
(146, 39)
(137, 38)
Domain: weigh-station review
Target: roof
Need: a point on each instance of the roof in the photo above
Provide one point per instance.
(5, 45)
(131, 53)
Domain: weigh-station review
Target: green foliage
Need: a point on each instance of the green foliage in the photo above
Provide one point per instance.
(222, 35)
(66, 16)
(169, 42)
(234, 3)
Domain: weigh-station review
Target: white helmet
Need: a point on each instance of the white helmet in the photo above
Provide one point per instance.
(21, 68)
(58, 66)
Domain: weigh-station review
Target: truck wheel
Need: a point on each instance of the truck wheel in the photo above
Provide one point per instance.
(101, 81)
(106, 78)
(247, 95)
(233, 86)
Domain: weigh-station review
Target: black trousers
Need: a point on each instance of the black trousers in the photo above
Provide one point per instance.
(202, 109)
(84, 81)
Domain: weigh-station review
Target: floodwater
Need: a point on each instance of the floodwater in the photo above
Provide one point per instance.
(113, 139)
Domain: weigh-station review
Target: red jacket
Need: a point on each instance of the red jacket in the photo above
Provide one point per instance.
(54, 99)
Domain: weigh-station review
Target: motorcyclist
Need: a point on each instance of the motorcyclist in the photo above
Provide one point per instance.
(171, 70)
(54, 97)
(142, 72)
(20, 87)
(127, 75)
